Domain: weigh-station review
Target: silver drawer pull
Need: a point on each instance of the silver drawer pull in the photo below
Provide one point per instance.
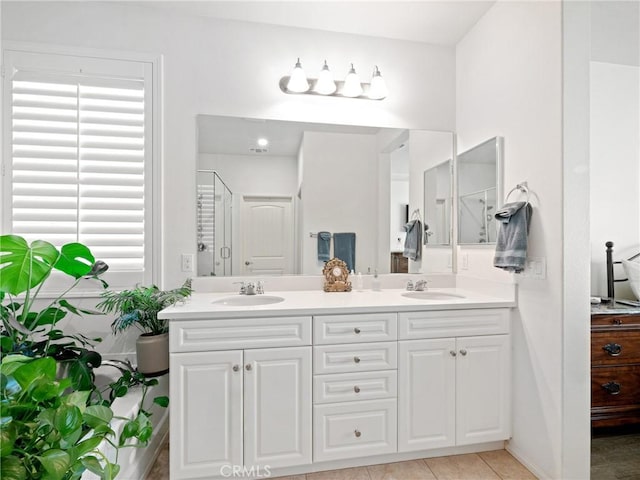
(248, 367)
(356, 389)
(452, 353)
(463, 352)
(236, 368)
(613, 349)
(357, 433)
(356, 330)
(356, 359)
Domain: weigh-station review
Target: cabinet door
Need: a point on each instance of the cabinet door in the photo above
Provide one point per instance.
(206, 413)
(483, 398)
(277, 407)
(426, 394)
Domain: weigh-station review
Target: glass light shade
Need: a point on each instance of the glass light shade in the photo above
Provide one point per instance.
(352, 86)
(298, 80)
(325, 84)
(378, 89)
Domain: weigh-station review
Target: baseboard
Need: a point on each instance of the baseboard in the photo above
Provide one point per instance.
(525, 461)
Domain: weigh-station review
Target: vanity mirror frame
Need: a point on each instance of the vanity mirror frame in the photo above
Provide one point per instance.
(498, 149)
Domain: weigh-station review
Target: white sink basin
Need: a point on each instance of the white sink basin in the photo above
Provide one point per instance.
(248, 300)
(432, 295)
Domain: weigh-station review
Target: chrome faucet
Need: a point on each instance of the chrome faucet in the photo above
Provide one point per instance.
(250, 289)
(243, 287)
(420, 285)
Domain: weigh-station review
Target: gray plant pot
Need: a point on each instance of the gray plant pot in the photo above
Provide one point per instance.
(153, 354)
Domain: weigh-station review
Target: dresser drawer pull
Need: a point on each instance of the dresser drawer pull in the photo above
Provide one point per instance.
(612, 388)
(613, 349)
(356, 389)
(356, 330)
(356, 359)
(617, 321)
(357, 433)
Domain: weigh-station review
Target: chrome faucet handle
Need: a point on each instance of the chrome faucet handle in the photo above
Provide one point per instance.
(420, 285)
(243, 287)
(409, 286)
(260, 287)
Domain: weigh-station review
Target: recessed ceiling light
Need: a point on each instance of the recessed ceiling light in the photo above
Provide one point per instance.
(263, 142)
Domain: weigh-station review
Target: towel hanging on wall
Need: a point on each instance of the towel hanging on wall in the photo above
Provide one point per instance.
(324, 246)
(413, 240)
(512, 242)
(344, 248)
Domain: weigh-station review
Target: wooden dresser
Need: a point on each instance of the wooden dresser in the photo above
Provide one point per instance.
(615, 367)
(399, 263)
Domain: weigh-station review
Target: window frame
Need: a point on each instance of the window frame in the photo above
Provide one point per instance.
(152, 273)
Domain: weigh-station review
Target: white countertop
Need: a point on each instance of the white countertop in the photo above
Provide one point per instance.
(312, 302)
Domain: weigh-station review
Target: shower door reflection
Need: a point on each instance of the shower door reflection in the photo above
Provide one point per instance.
(214, 233)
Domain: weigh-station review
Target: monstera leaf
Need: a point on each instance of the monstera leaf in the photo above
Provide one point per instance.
(23, 266)
(75, 260)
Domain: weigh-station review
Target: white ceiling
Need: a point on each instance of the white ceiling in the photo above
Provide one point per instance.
(442, 22)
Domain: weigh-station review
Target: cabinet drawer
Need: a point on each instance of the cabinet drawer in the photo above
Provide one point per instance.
(241, 333)
(354, 429)
(346, 387)
(373, 327)
(611, 348)
(453, 323)
(606, 381)
(615, 321)
(355, 357)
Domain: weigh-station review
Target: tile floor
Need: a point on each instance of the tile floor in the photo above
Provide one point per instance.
(496, 465)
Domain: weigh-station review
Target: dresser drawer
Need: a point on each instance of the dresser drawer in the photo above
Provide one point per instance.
(347, 387)
(355, 357)
(615, 321)
(606, 381)
(372, 327)
(611, 348)
(240, 333)
(453, 323)
(354, 429)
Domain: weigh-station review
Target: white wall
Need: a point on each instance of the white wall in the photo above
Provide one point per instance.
(508, 83)
(233, 68)
(254, 174)
(399, 196)
(615, 170)
(333, 201)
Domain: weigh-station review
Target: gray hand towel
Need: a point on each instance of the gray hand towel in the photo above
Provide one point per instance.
(511, 246)
(344, 248)
(324, 244)
(413, 240)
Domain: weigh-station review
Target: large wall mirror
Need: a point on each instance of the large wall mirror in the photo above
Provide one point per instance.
(437, 204)
(480, 191)
(266, 189)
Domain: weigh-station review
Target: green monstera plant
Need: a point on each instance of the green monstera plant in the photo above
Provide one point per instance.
(30, 328)
(52, 423)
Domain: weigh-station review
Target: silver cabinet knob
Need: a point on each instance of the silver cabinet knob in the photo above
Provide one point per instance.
(356, 359)
(356, 389)
(236, 368)
(452, 353)
(356, 330)
(248, 367)
(463, 352)
(357, 433)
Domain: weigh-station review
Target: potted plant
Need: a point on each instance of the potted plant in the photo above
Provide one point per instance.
(139, 308)
(52, 424)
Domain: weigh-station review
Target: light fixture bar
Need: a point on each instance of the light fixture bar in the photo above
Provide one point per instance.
(376, 90)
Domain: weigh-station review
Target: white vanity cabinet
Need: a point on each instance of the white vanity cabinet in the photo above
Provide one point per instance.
(247, 407)
(454, 390)
(314, 392)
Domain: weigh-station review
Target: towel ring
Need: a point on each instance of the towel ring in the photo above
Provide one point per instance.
(521, 187)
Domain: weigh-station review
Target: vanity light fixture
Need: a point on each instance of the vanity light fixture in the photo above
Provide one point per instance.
(262, 142)
(298, 82)
(351, 87)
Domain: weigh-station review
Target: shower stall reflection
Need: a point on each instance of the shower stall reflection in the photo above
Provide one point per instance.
(477, 222)
(213, 208)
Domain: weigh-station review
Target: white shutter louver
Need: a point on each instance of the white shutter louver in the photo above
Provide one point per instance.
(79, 163)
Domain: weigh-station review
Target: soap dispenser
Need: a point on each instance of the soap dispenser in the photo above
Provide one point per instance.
(375, 282)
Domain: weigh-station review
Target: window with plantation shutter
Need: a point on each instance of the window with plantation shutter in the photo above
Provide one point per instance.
(81, 157)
